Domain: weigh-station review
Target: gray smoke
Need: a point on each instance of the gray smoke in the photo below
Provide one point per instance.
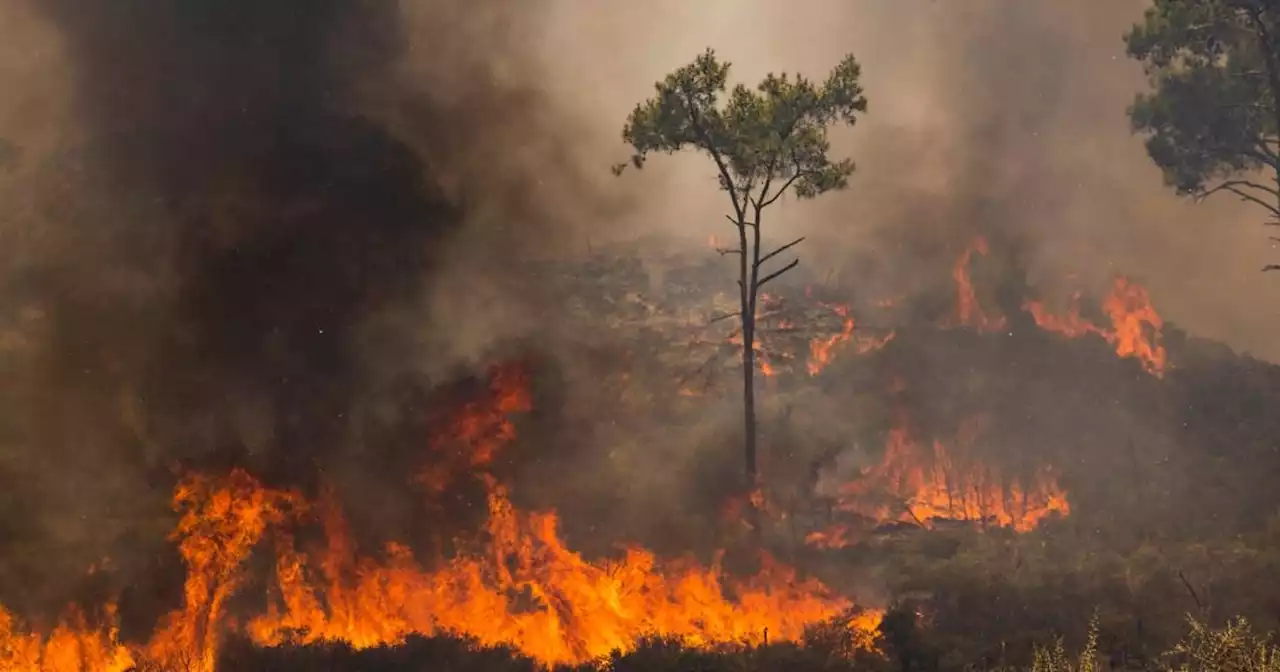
(213, 209)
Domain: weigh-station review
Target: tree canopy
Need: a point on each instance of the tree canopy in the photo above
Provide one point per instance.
(764, 141)
(1211, 119)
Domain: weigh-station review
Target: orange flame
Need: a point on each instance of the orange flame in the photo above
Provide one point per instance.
(1132, 317)
(968, 311)
(527, 589)
(762, 354)
(523, 586)
(915, 486)
(822, 348)
(474, 434)
(73, 646)
(1071, 325)
(517, 584)
(222, 520)
(1135, 325)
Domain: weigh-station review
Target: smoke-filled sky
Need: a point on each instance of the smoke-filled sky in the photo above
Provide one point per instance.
(224, 222)
(985, 115)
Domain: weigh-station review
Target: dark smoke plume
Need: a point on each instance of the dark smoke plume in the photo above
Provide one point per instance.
(248, 186)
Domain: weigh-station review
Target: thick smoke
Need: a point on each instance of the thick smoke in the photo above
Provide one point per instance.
(222, 209)
(260, 233)
(994, 117)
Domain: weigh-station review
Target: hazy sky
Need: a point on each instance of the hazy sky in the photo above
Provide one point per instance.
(985, 115)
(988, 109)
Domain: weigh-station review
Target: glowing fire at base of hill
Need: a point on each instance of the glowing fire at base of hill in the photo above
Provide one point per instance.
(913, 485)
(74, 646)
(527, 589)
(517, 583)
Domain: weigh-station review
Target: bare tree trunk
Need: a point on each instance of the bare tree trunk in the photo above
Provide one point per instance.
(747, 285)
(749, 415)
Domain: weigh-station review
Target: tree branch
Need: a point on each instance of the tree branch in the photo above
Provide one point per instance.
(1230, 184)
(776, 273)
(723, 251)
(1234, 186)
(726, 316)
(1264, 153)
(790, 181)
(701, 130)
(765, 200)
(785, 186)
(1190, 590)
(780, 250)
(1269, 60)
(764, 189)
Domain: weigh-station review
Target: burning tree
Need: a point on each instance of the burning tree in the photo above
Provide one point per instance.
(764, 143)
(1213, 119)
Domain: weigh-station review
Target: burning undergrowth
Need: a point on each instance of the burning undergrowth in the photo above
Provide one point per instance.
(956, 407)
(515, 583)
(237, 194)
(893, 418)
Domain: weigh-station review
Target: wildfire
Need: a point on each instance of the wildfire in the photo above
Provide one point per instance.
(1135, 325)
(1132, 317)
(763, 354)
(519, 584)
(917, 485)
(821, 348)
(968, 311)
(472, 436)
(516, 583)
(525, 588)
(221, 523)
(222, 520)
(74, 646)
(1071, 324)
